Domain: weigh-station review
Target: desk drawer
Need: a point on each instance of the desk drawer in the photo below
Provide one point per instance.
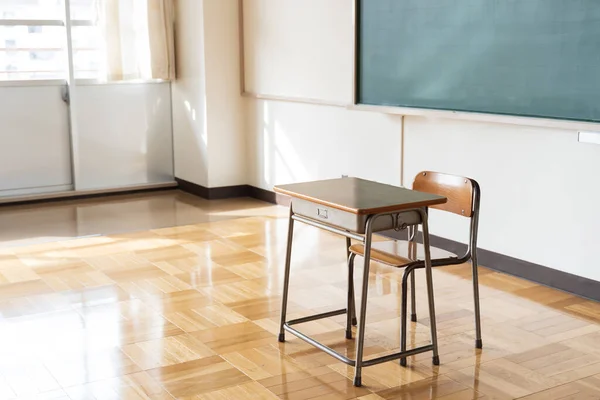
(349, 221)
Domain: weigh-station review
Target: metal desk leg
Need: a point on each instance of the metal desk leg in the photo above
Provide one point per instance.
(286, 278)
(348, 244)
(362, 320)
(429, 275)
(408, 271)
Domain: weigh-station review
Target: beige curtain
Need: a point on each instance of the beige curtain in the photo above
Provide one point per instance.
(138, 39)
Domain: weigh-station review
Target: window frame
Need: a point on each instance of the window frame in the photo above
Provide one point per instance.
(67, 23)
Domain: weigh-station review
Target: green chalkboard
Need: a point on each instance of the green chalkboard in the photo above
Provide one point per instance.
(538, 58)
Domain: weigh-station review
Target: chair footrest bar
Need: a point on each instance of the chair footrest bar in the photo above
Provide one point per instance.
(320, 346)
(316, 317)
(395, 356)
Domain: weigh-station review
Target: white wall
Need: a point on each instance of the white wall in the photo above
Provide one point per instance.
(303, 50)
(35, 153)
(225, 111)
(539, 188)
(539, 185)
(125, 135)
(294, 142)
(190, 136)
(291, 47)
(208, 114)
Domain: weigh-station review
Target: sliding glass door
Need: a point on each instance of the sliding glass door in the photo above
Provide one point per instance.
(84, 95)
(35, 151)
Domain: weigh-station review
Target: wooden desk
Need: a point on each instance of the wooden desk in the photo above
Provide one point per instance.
(356, 208)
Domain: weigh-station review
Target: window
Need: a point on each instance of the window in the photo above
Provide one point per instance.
(33, 36)
(31, 39)
(32, 9)
(111, 40)
(87, 56)
(42, 55)
(32, 55)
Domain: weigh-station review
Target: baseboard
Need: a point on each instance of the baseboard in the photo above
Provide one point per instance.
(217, 193)
(84, 195)
(537, 273)
(269, 196)
(228, 192)
(192, 188)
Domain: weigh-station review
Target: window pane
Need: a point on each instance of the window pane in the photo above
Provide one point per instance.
(87, 55)
(28, 52)
(83, 9)
(32, 9)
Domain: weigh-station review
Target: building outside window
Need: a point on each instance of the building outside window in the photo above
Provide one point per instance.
(111, 40)
(33, 39)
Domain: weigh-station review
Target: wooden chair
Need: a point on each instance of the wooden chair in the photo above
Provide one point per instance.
(463, 199)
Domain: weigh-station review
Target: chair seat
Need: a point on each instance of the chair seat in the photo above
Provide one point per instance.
(395, 253)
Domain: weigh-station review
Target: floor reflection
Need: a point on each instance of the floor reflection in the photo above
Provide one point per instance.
(182, 300)
(54, 221)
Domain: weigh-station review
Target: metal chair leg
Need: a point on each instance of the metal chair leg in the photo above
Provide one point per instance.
(478, 341)
(362, 320)
(412, 238)
(474, 265)
(430, 296)
(350, 312)
(286, 276)
(413, 297)
(408, 271)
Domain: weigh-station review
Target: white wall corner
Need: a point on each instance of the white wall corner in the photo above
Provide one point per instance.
(208, 110)
(227, 163)
(190, 134)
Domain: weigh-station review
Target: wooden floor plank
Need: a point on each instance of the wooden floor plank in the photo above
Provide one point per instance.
(192, 311)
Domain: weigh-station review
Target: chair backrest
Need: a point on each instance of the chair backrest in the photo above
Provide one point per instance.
(462, 193)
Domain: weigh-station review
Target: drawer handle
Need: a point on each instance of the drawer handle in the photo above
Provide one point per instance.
(321, 212)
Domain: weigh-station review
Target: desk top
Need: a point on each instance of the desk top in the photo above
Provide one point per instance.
(359, 196)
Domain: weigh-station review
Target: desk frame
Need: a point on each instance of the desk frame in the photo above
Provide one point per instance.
(366, 239)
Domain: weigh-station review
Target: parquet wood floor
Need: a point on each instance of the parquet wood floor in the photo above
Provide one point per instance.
(191, 312)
